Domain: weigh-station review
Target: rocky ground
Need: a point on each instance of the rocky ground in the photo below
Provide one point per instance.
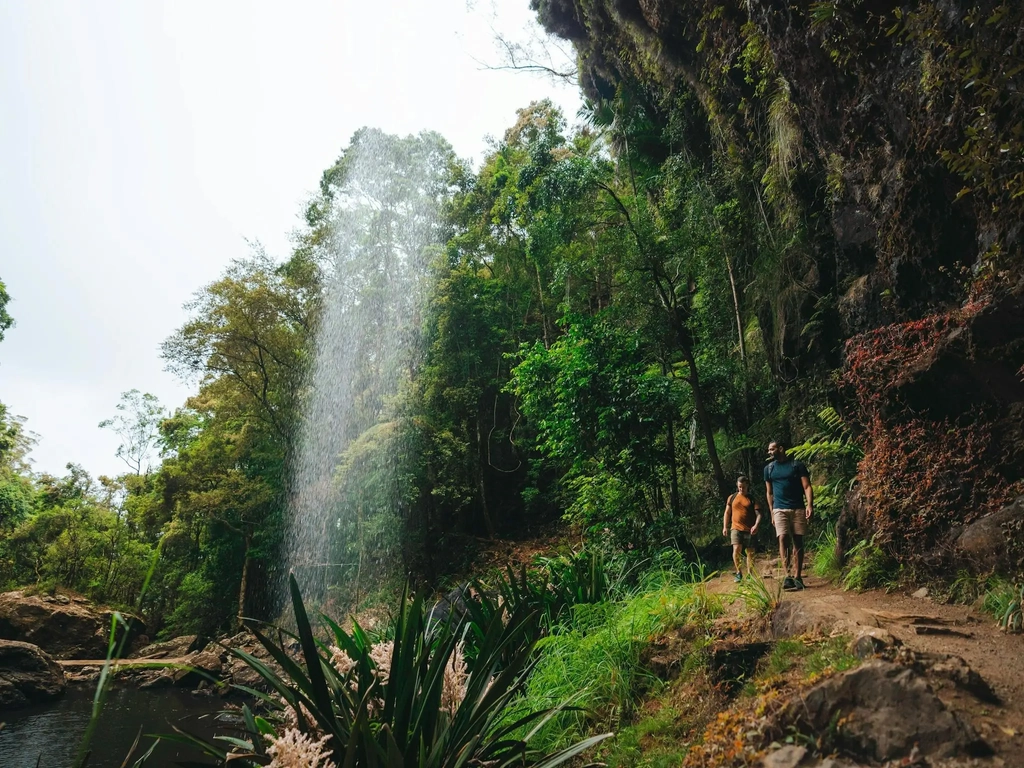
(938, 685)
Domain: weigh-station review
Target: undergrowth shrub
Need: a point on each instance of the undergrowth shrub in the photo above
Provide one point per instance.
(1012, 619)
(870, 567)
(432, 695)
(813, 658)
(997, 597)
(967, 588)
(1004, 601)
(551, 588)
(831, 655)
(826, 563)
(594, 659)
(835, 454)
(783, 657)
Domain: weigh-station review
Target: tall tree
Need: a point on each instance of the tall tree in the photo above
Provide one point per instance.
(137, 424)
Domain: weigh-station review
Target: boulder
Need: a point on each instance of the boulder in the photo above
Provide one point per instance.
(27, 675)
(242, 674)
(169, 649)
(237, 672)
(984, 543)
(65, 627)
(827, 615)
(880, 711)
(872, 641)
(161, 678)
(199, 667)
(84, 675)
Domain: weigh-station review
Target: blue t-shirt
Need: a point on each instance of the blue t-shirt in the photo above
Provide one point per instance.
(787, 490)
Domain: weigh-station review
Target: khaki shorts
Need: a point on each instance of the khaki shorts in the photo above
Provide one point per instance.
(789, 521)
(741, 539)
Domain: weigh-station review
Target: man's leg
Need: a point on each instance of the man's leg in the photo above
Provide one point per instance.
(750, 560)
(798, 545)
(784, 554)
(736, 548)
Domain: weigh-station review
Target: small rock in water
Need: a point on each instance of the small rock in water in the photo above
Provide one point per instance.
(922, 592)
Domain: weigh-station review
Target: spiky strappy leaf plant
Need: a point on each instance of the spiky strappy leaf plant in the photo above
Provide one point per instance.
(433, 696)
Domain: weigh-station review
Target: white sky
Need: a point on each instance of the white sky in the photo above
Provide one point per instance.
(143, 142)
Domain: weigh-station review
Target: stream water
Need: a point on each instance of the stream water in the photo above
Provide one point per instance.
(49, 735)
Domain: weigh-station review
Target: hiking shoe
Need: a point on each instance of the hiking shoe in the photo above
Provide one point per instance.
(789, 584)
(798, 583)
(737, 577)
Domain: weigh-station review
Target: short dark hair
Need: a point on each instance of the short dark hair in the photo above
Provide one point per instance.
(742, 479)
(780, 443)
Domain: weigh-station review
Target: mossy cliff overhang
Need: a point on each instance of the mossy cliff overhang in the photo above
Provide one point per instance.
(887, 169)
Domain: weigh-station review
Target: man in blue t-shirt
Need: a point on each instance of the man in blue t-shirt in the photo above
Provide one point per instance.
(788, 484)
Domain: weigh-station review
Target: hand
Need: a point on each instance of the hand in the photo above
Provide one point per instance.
(753, 530)
(725, 531)
(808, 512)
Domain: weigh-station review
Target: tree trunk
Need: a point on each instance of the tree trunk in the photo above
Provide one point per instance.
(243, 589)
(703, 418)
(747, 405)
(543, 309)
(673, 471)
(480, 483)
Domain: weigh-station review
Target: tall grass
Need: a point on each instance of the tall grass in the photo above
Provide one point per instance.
(757, 596)
(826, 562)
(594, 658)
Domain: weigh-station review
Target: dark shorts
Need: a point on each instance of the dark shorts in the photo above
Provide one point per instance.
(741, 539)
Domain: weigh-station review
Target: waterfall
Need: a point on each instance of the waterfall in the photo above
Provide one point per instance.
(347, 498)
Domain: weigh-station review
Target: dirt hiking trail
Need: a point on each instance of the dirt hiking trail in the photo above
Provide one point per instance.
(918, 626)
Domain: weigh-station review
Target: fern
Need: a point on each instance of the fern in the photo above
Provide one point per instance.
(870, 567)
(835, 442)
(836, 456)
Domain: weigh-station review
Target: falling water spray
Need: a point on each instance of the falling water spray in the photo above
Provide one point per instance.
(347, 492)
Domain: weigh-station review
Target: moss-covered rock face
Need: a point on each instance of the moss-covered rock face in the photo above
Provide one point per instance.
(885, 142)
(899, 127)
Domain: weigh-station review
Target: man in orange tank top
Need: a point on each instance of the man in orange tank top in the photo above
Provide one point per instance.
(742, 517)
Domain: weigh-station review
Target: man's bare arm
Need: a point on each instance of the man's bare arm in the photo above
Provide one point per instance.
(808, 494)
